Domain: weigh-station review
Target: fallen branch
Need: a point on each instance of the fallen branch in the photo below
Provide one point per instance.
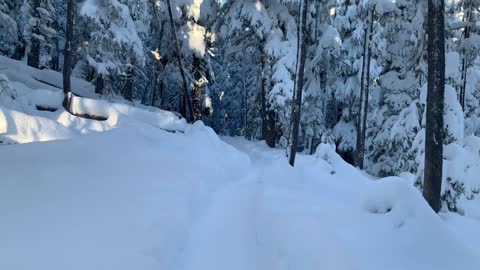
(46, 108)
(90, 116)
(81, 115)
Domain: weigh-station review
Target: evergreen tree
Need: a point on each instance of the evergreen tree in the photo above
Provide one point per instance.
(38, 31)
(111, 43)
(397, 121)
(8, 29)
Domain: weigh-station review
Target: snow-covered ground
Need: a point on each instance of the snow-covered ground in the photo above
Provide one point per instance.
(144, 190)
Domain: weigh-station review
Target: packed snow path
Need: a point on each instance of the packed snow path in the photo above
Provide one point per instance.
(277, 218)
(237, 230)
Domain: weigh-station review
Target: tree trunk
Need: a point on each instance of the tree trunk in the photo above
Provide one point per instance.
(56, 56)
(263, 105)
(270, 128)
(246, 132)
(158, 84)
(99, 85)
(298, 89)
(435, 104)
(197, 91)
(128, 92)
(185, 99)
(364, 89)
(325, 96)
(468, 18)
(68, 55)
(33, 58)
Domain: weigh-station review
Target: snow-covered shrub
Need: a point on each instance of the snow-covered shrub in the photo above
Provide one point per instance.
(462, 168)
(5, 89)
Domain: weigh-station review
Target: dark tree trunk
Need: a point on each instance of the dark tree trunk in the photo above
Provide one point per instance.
(323, 90)
(246, 131)
(468, 18)
(99, 85)
(68, 55)
(197, 91)
(33, 58)
(364, 89)
(158, 84)
(298, 89)
(56, 56)
(161, 95)
(263, 101)
(185, 99)
(19, 50)
(128, 92)
(270, 128)
(435, 104)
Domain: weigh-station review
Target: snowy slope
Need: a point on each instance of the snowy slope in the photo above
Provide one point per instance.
(33, 78)
(22, 122)
(144, 190)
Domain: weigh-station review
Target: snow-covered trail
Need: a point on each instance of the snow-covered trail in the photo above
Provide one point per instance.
(248, 226)
(143, 198)
(227, 235)
(283, 218)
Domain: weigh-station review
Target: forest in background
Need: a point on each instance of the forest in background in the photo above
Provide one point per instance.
(238, 61)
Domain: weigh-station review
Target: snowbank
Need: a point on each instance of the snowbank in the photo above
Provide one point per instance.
(24, 123)
(33, 78)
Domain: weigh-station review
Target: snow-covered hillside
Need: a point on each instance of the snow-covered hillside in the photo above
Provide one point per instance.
(144, 190)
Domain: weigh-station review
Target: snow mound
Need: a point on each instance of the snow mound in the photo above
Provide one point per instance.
(33, 78)
(23, 128)
(25, 123)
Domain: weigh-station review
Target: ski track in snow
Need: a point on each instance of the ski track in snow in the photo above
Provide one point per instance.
(239, 228)
(227, 236)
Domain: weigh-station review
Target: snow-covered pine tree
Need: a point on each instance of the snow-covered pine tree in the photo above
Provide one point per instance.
(110, 45)
(374, 43)
(397, 121)
(322, 66)
(193, 21)
(59, 24)
(38, 31)
(350, 21)
(8, 28)
(236, 68)
(273, 25)
(136, 81)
